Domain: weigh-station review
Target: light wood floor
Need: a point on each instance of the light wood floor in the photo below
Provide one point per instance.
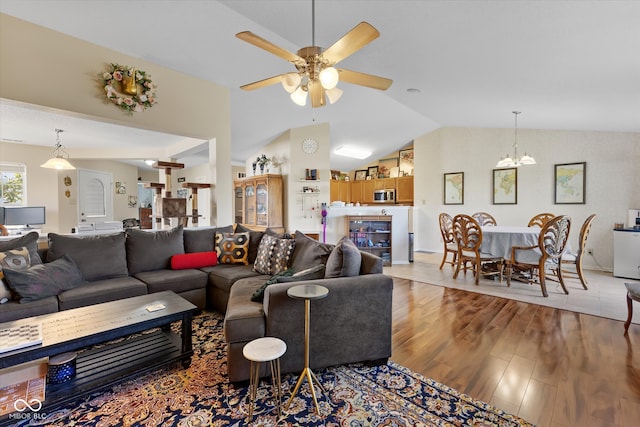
(550, 366)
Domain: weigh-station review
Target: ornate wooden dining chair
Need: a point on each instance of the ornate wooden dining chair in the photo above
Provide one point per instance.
(551, 243)
(573, 260)
(540, 220)
(484, 218)
(468, 236)
(450, 247)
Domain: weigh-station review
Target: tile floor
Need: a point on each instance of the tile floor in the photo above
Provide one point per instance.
(606, 296)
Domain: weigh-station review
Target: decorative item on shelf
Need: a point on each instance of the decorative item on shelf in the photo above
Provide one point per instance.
(508, 162)
(262, 161)
(58, 160)
(136, 90)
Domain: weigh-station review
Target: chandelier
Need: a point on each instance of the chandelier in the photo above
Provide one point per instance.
(509, 162)
(58, 160)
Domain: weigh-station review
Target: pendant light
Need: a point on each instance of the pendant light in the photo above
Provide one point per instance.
(509, 162)
(58, 160)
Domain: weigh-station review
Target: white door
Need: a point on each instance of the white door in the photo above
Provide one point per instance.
(95, 196)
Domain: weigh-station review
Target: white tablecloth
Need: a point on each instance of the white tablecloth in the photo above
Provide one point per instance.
(498, 240)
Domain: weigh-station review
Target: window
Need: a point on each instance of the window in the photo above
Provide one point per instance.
(13, 188)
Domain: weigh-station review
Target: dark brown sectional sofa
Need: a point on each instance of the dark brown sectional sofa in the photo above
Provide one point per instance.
(353, 324)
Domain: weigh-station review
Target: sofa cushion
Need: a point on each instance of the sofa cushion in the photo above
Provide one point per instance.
(312, 273)
(152, 250)
(232, 248)
(202, 239)
(29, 241)
(173, 280)
(223, 276)
(309, 252)
(244, 319)
(44, 280)
(254, 241)
(344, 260)
(194, 260)
(98, 257)
(15, 259)
(101, 291)
(13, 310)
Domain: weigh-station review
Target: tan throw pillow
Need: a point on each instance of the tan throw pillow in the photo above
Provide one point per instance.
(232, 248)
(15, 259)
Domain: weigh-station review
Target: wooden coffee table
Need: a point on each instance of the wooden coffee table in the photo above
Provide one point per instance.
(100, 367)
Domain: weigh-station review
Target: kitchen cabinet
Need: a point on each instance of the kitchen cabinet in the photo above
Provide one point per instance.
(340, 191)
(404, 189)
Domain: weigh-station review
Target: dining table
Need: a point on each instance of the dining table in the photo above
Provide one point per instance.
(497, 240)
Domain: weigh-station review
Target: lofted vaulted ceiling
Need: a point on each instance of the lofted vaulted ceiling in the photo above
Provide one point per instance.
(565, 64)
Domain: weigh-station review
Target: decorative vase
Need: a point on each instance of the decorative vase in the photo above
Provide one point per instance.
(254, 169)
(261, 169)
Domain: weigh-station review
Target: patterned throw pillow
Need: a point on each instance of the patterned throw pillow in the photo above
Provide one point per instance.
(15, 259)
(232, 248)
(262, 264)
(274, 255)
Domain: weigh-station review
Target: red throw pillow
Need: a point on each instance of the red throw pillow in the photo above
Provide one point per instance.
(194, 260)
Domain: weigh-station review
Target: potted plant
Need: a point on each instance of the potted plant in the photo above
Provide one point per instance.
(263, 161)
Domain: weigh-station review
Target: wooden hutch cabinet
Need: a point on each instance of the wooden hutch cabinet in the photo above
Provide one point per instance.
(260, 202)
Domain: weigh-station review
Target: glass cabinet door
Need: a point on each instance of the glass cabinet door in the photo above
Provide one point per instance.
(262, 211)
(249, 205)
(238, 193)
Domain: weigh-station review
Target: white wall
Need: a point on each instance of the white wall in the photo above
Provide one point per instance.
(612, 180)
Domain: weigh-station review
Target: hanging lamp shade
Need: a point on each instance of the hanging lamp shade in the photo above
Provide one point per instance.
(58, 160)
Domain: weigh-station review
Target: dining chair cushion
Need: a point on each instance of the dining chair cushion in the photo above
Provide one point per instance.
(634, 290)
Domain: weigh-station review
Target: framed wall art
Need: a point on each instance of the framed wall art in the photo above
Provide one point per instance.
(385, 166)
(505, 186)
(454, 188)
(570, 183)
(372, 172)
(406, 162)
(361, 175)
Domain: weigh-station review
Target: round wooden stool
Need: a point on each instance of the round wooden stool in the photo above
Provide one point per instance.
(633, 294)
(268, 349)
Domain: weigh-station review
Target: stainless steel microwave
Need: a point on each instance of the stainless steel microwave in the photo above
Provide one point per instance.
(384, 196)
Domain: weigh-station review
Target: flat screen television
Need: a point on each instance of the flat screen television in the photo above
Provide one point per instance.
(27, 216)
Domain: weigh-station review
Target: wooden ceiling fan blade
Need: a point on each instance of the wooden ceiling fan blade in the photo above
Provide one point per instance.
(360, 36)
(363, 79)
(316, 93)
(258, 41)
(263, 83)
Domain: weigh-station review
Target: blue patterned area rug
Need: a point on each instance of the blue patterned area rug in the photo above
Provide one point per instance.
(357, 395)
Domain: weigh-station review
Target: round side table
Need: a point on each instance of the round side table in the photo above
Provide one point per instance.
(307, 293)
(267, 349)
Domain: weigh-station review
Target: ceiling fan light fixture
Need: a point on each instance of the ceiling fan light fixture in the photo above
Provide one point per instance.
(291, 81)
(58, 160)
(333, 94)
(352, 152)
(299, 96)
(329, 78)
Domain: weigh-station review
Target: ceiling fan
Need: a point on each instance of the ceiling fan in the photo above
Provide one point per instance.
(316, 75)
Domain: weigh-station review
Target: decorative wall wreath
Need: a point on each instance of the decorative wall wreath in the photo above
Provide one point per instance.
(130, 95)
